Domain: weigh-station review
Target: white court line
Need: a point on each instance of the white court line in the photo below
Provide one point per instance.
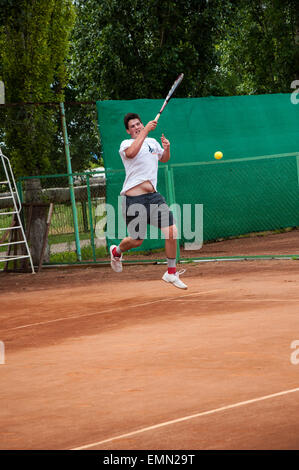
(240, 300)
(186, 418)
(106, 311)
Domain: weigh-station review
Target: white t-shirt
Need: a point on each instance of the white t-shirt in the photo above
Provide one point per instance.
(143, 167)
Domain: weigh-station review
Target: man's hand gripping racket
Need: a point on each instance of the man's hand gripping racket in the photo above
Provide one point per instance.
(170, 93)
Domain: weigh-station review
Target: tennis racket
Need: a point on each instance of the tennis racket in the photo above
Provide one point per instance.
(170, 93)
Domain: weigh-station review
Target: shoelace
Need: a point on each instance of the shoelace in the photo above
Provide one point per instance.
(181, 271)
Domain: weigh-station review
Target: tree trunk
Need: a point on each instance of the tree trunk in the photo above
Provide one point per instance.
(33, 195)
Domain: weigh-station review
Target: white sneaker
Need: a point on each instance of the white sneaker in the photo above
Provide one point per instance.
(175, 279)
(116, 261)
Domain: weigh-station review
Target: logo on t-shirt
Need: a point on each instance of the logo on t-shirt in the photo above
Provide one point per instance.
(150, 149)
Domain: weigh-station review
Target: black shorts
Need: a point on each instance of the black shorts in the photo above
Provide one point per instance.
(143, 210)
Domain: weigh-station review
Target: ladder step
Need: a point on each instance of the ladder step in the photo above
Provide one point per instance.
(12, 243)
(8, 213)
(7, 258)
(10, 228)
(10, 193)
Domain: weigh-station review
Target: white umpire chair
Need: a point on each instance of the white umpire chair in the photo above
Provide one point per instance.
(11, 193)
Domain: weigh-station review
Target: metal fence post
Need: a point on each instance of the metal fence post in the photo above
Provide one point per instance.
(71, 182)
(90, 219)
(171, 197)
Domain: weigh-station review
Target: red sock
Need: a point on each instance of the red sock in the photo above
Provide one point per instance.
(171, 270)
(115, 252)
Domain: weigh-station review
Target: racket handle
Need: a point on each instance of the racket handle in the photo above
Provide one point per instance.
(157, 117)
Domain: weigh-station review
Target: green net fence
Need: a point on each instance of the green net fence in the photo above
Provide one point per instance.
(251, 195)
(89, 210)
(227, 206)
(37, 129)
(254, 188)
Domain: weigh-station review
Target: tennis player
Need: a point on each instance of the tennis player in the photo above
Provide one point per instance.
(142, 204)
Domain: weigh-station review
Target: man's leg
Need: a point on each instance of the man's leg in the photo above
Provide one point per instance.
(117, 251)
(130, 207)
(170, 234)
(128, 243)
(171, 275)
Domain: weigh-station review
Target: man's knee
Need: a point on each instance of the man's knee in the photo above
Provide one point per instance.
(136, 243)
(171, 232)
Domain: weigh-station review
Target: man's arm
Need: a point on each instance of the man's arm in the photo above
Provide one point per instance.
(134, 148)
(166, 146)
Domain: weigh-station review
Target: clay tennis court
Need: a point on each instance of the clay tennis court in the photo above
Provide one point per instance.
(95, 360)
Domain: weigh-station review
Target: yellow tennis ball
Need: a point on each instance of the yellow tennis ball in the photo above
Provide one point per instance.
(218, 155)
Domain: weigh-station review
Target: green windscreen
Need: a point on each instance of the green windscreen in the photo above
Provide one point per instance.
(253, 187)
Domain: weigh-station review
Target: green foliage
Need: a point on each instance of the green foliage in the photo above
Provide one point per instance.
(127, 50)
(83, 136)
(258, 50)
(71, 257)
(33, 46)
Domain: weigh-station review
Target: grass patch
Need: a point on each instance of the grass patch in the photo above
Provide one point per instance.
(71, 256)
(87, 255)
(67, 238)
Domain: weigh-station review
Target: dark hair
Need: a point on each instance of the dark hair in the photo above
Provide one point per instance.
(130, 116)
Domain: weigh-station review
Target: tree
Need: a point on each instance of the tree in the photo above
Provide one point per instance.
(258, 48)
(34, 38)
(128, 50)
(34, 44)
(124, 50)
(83, 135)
